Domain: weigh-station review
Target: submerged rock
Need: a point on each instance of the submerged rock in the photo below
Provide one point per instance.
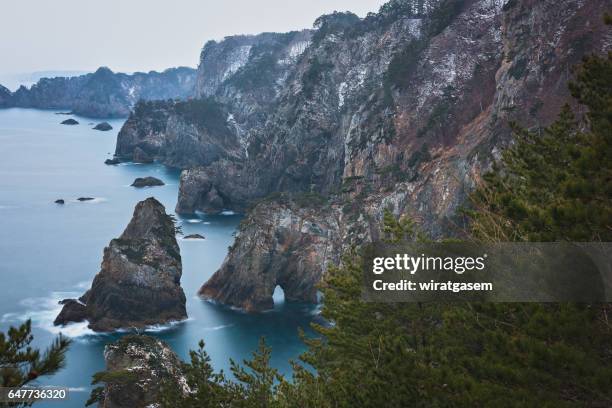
(139, 281)
(103, 126)
(85, 198)
(70, 122)
(59, 201)
(112, 161)
(147, 182)
(194, 236)
(143, 364)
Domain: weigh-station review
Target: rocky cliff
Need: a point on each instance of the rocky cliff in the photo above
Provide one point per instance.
(103, 93)
(137, 368)
(139, 281)
(5, 97)
(240, 78)
(401, 110)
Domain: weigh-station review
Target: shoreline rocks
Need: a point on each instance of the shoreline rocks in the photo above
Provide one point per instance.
(69, 122)
(59, 201)
(139, 280)
(85, 198)
(147, 182)
(112, 161)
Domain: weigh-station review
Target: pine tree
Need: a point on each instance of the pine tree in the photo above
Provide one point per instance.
(21, 364)
(207, 388)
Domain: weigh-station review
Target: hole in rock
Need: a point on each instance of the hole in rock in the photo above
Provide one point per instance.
(279, 295)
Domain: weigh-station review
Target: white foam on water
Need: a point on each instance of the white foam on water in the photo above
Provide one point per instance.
(215, 328)
(194, 221)
(43, 311)
(228, 212)
(163, 327)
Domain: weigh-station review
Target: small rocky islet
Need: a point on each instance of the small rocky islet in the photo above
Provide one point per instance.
(194, 236)
(69, 122)
(103, 126)
(149, 181)
(139, 280)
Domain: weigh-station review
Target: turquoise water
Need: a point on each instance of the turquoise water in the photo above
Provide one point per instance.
(49, 252)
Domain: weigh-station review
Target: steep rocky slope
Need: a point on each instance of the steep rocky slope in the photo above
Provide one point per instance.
(401, 110)
(139, 280)
(136, 369)
(104, 93)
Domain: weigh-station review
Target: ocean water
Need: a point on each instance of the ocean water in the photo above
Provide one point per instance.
(49, 252)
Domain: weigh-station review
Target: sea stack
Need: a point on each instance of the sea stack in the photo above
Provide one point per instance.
(139, 281)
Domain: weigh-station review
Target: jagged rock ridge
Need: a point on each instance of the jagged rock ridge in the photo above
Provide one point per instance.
(102, 94)
(139, 281)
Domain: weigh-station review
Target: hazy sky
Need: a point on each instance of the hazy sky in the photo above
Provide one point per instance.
(140, 35)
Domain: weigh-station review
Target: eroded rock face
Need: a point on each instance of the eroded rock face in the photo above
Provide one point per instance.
(282, 244)
(139, 281)
(141, 364)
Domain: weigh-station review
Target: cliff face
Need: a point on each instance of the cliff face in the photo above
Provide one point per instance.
(136, 368)
(104, 93)
(402, 110)
(139, 280)
(241, 77)
(181, 134)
